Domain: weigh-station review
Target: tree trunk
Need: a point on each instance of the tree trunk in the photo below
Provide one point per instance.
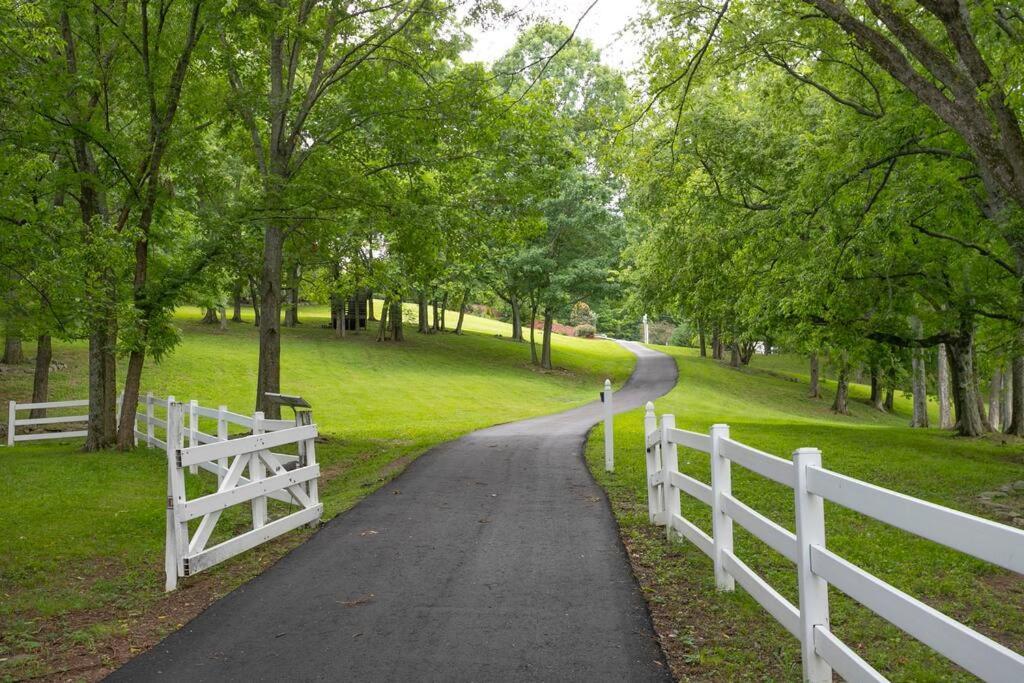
(918, 379)
(841, 404)
(1006, 400)
(291, 314)
(1016, 426)
(254, 295)
(383, 328)
(397, 332)
(517, 321)
(968, 418)
(41, 378)
(236, 302)
(444, 312)
(533, 336)
(462, 312)
(210, 317)
(340, 317)
(942, 380)
(545, 352)
(12, 350)
(734, 355)
(815, 388)
(424, 326)
(716, 344)
(370, 317)
(702, 342)
(268, 376)
(102, 427)
(877, 395)
(890, 399)
(995, 396)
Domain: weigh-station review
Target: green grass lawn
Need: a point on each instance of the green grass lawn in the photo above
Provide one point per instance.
(81, 566)
(727, 637)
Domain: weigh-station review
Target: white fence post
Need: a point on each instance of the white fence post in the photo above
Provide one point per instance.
(12, 408)
(609, 428)
(176, 542)
(669, 464)
(193, 426)
(256, 473)
(812, 589)
(654, 507)
(150, 427)
(721, 523)
(222, 435)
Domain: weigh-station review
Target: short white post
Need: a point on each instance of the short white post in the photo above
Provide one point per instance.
(12, 408)
(150, 427)
(721, 523)
(120, 407)
(609, 427)
(647, 331)
(812, 589)
(222, 435)
(669, 464)
(176, 542)
(257, 471)
(654, 506)
(193, 426)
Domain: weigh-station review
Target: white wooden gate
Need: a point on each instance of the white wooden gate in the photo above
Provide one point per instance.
(286, 478)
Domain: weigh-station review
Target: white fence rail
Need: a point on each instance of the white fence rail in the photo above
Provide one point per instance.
(816, 566)
(13, 421)
(248, 472)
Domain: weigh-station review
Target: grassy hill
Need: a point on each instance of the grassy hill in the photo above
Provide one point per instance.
(719, 637)
(81, 567)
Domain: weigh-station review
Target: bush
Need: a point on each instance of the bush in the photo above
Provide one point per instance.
(683, 336)
(587, 331)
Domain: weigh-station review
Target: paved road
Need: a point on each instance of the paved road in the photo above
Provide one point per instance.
(493, 557)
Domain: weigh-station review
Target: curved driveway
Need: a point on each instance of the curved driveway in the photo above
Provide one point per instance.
(492, 557)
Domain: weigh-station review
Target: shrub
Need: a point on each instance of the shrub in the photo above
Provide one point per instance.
(587, 331)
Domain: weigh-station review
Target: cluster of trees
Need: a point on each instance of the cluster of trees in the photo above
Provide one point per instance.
(843, 179)
(163, 152)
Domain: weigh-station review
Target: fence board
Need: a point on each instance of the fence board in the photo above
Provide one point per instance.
(759, 589)
(250, 539)
(692, 487)
(51, 435)
(777, 538)
(765, 464)
(50, 420)
(78, 403)
(694, 534)
(845, 661)
(246, 444)
(698, 442)
(978, 654)
(986, 540)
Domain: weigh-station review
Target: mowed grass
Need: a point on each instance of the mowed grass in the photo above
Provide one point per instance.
(726, 637)
(83, 533)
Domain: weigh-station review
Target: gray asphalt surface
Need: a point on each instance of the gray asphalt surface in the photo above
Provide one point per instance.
(492, 557)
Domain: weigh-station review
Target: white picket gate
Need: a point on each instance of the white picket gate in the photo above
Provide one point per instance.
(291, 479)
(816, 566)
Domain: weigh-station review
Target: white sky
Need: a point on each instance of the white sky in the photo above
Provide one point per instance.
(604, 25)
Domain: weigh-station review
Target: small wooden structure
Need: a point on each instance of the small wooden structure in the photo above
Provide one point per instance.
(354, 309)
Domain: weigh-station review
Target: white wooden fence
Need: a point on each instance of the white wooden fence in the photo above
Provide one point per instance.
(13, 422)
(816, 566)
(247, 471)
